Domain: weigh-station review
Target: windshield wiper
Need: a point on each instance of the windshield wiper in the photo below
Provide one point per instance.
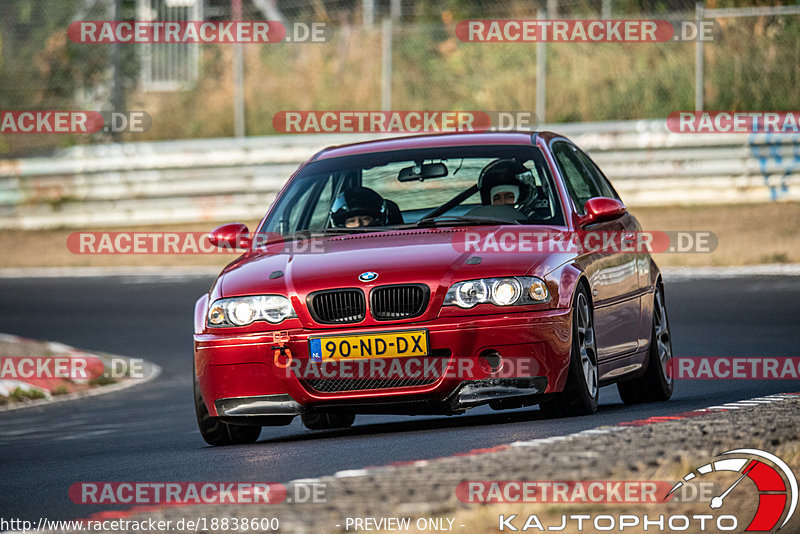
(454, 220)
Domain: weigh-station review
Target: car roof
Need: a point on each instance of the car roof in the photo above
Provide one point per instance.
(430, 141)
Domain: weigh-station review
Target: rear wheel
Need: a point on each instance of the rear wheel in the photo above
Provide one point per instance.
(656, 384)
(328, 421)
(217, 432)
(582, 389)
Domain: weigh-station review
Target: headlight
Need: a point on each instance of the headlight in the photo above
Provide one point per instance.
(470, 293)
(275, 308)
(505, 292)
(538, 290)
(242, 311)
(498, 291)
(216, 314)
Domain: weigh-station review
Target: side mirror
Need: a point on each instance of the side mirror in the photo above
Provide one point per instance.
(601, 209)
(230, 236)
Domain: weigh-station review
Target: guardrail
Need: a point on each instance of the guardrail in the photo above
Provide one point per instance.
(236, 179)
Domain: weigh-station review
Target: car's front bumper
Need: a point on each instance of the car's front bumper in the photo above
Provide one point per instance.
(237, 375)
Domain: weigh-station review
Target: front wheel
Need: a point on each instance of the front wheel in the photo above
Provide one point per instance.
(656, 384)
(217, 432)
(582, 389)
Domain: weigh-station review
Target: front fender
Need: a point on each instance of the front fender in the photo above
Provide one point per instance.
(561, 282)
(200, 310)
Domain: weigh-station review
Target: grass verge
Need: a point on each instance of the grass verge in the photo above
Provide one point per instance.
(22, 383)
(746, 235)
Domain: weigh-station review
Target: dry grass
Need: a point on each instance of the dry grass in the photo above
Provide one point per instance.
(49, 249)
(747, 235)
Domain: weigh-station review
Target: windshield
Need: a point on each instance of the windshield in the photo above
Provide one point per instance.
(451, 186)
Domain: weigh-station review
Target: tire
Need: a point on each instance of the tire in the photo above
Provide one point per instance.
(656, 384)
(216, 432)
(328, 421)
(582, 389)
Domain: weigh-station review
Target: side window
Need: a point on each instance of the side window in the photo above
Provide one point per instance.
(544, 207)
(303, 207)
(580, 186)
(323, 205)
(297, 210)
(597, 176)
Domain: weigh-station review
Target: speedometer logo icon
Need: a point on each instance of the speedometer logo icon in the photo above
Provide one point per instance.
(775, 481)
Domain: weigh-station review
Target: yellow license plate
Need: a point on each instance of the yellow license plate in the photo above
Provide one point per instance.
(378, 345)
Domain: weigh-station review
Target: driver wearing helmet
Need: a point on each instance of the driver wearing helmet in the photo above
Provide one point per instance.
(502, 183)
(359, 207)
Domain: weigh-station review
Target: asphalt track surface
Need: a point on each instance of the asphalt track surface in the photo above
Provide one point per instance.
(148, 433)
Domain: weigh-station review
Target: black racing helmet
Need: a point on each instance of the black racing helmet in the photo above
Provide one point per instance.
(358, 201)
(505, 172)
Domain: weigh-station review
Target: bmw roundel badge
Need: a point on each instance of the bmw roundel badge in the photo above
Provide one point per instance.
(368, 276)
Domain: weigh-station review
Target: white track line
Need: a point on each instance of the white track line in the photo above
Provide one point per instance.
(735, 271)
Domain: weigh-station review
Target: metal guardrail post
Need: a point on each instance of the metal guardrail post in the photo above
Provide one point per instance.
(386, 69)
(541, 75)
(368, 13)
(698, 59)
(238, 77)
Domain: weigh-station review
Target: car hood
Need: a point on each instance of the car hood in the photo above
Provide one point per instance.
(436, 256)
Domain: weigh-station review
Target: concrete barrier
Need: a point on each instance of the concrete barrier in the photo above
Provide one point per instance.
(236, 179)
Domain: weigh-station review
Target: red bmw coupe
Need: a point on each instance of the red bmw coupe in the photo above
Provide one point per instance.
(430, 275)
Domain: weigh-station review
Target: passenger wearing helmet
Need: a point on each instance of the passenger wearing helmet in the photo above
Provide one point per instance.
(504, 194)
(502, 182)
(358, 207)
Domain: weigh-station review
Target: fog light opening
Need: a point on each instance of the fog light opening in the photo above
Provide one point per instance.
(491, 361)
